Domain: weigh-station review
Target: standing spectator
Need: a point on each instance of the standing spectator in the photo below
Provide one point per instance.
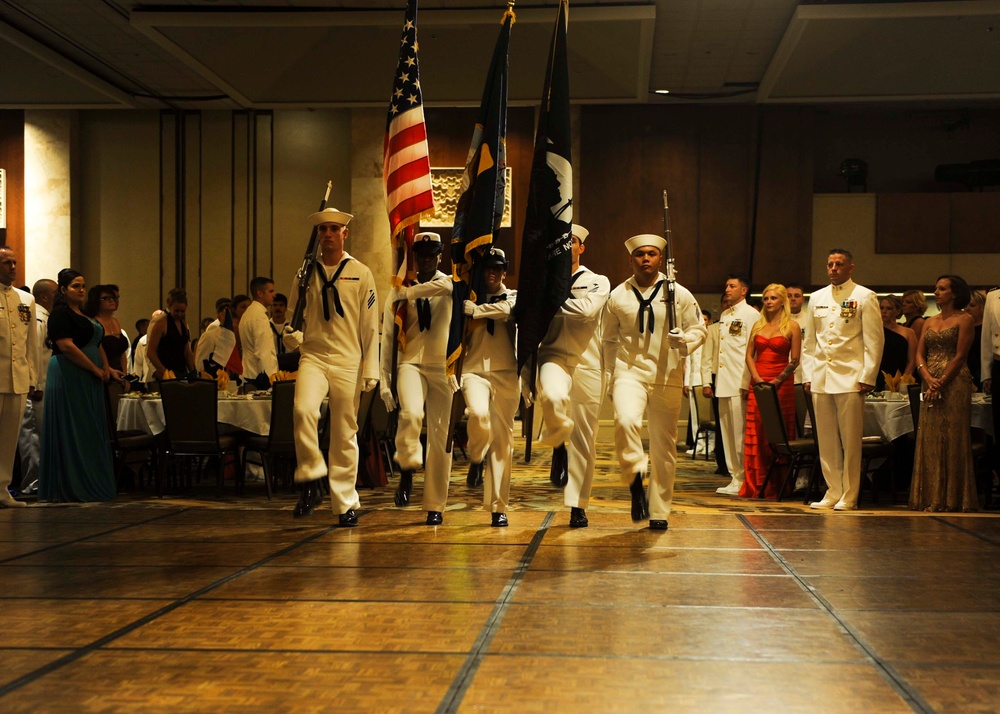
(18, 362)
(101, 305)
(209, 337)
(796, 301)
(168, 345)
(943, 474)
(772, 356)
(975, 309)
(76, 462)
(141, 325)
(260, 359)
(709, 374)
(914, 307)
(900, 351)
(842, 350)
(989, 358)
(29, 442)
(732, 381)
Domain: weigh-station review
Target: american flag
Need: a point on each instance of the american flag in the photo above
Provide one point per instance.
(406, 169)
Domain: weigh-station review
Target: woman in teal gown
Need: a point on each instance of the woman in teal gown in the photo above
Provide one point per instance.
(76, 462)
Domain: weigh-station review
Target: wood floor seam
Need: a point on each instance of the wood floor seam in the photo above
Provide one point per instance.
(888, 672)
(456, 691)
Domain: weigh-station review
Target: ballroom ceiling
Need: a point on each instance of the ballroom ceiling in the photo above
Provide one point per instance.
(267, 54)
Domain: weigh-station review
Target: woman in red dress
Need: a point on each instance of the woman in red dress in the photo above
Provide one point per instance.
(772, 355)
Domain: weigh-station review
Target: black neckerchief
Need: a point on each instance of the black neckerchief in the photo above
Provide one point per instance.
(490, 324)
(424, 314)
(326, 285)
(281, 344)
(646, 306)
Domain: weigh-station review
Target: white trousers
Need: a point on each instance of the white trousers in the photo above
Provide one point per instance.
(11, 413)
(317, 380)
(732, 420)
(491, 399)
(416, 387)
(662, 404)
(839, 427)
(29, 443)
(588, 388)
(555, 381)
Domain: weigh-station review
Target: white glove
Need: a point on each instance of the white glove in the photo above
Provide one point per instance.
(398, 294)
(453, 383)
(369, 385)
(675, 338)
(291, 340)
(526, 394)
(390, 403)
(469, 307)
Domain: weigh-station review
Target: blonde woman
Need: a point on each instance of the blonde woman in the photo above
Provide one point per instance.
(914, 307)
(772, 356)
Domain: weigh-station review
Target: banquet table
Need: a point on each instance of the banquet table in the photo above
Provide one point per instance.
(145, 413)
(892, 419)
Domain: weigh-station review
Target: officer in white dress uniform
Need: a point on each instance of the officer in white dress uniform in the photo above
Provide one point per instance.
(18, 365)
(841, 353)
(989, 351)
(693, 381)
(732, 381)
(709, 370)
(29, 441)
(796, 299)
(645, 367)
(421, 377)
(570, 385)
(490, 385)
(339, 359)
(260, 359)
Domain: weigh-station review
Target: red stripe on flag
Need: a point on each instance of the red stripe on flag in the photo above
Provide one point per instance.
(406, 173)
(410, 207)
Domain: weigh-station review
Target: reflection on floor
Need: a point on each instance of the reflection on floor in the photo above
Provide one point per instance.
(197, 604)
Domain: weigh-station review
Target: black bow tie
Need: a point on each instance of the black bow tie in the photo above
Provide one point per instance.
(490, 324)
(646, 306)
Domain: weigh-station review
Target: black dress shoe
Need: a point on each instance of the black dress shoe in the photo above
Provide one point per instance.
(475, 477)
(434, 518)
(577, 518)
(309, 499)
(499, 520)
(405, 485)
(640, 511)
(558, 472)
(657, 525)
(348, 520)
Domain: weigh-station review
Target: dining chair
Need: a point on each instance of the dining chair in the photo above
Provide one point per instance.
(127, 442)
(801, 410)
(704, 420)
(800, 452)
(280, 439)
(191, 413)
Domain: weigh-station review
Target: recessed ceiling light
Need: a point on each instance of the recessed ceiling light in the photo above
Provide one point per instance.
(662, 91)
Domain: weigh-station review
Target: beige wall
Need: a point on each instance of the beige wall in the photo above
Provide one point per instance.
(848, 221)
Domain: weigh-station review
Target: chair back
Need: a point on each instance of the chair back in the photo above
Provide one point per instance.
(913, 392)
(801, 410)
(770, 414)
(281, 437)
(191, 412)
(703, 407)
(113, 391)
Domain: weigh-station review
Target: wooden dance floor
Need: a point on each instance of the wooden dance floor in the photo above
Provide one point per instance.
(195, 604)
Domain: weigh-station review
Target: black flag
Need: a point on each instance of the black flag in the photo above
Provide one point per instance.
(544, 274)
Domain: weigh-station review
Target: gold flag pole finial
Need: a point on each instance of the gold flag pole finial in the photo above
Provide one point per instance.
(510, 12)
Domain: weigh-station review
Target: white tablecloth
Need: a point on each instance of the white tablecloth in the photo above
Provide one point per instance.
(893, 419)
(146, 414)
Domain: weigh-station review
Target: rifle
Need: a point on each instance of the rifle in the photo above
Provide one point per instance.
(298, 316)
(671, 271)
